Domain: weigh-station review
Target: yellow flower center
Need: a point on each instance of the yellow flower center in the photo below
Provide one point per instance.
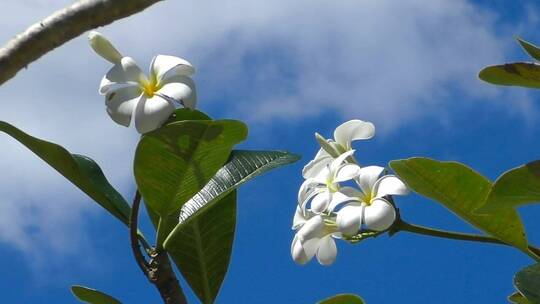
(150, 87)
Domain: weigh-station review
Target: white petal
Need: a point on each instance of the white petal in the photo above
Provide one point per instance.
(126, 72)
(298, 219)
(347, 172)
(312, 228)
(353, 130)
(326, 255)
(303, 252)
(164, 66)
(181, 90)
(339, 198)
(349, 218)
(368, 177)
(308, 189)
(352, 192)
(390, 185)
(121, 104)
(314, 167)
(151, 113)
(336, 163)
(103, 47)
(380, 215)
(320, 201)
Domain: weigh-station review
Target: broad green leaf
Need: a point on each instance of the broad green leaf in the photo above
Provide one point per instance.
(182, 114)
(345, 298)
(527, 281)
(530, 48)
(82, 171)
(174, 162)
(201, 248)
(514, 188)
(241, 167)
(523, 74)
(92, 296)
(518, 298)
(461, 190)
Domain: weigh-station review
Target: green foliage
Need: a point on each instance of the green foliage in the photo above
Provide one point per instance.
(521, 74)
(515, 187)
(345, 298)
(174, 162)
(82, 171)
(241, 167)
(462, 190)
(202, 246)
(527, 281)
(518, 298)
(92, 296)
(530, 48)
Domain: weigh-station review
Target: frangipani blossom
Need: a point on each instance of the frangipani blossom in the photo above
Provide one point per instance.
(344, 135)
(313, 238)
(369, 207)
(131, 95)
(321, 188)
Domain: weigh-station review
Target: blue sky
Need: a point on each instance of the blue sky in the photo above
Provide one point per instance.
(288, 69)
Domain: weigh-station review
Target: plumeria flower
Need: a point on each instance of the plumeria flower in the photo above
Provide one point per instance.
(148, 100)
(322, 188)
(369, 208)
(313, 238)
(344, 135)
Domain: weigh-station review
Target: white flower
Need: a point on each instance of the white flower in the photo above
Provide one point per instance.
(321, 188)
(344, 135)
(131, 95)
(313, 238)
(369, 207)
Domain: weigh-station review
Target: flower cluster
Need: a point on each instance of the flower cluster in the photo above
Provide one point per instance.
(329, 210)
(149, 100)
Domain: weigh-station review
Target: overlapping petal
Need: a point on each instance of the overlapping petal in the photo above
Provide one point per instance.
(164, 67)
(327, 251)
(125, 73)
(180, 89)
(319, 163)
(349, 218)
(121, 104)
(151, 113)
(380, 215)
(353, 130)
(368, 177)
(390, 185)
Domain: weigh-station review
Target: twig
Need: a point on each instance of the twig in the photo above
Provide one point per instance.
(60, 27)
(133, 235)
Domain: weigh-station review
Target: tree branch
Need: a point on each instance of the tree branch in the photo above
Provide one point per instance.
(60, 27)
(133, 235)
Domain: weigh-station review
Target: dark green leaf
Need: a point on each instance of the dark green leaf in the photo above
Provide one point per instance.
(80, 170)
(518, 298)
(174, 162)
(345, 298)
(523, 74)
(92, 296)
(201, 248)
(182, 114)
(241, 167)
(461, 190)
(527, 281)
(514, 188)
(530, 48)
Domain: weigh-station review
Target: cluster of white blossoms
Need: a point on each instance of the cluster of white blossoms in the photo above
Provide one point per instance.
(328, 210)
(131, 95)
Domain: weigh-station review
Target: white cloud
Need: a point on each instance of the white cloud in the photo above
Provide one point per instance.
(392, 61)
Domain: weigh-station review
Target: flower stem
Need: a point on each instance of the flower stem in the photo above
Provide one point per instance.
(133, 235)
(404, 226)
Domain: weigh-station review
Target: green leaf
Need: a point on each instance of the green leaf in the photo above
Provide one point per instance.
(92, 296)
(345, 298)
(523, 74)
(201, 248)
(461, 190)
(530, 48)
(518, 298)
(174, 162)
(527, 281)
(182, 114)
(514, 188)
(82, 171)
(241, 167)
